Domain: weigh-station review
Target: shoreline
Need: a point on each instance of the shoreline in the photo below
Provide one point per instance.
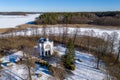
(70, 25)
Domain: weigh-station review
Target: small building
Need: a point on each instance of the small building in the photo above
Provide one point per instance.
(45, 47)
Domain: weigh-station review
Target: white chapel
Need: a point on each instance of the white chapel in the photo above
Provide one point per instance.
(45, 47)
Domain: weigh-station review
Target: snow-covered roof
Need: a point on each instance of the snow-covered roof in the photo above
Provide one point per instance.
(42, 40)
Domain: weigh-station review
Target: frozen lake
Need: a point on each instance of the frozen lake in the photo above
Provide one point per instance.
(11, 21)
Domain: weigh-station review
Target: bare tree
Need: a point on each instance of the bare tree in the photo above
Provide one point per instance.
(32, 32)
(44, 31)
(51, 33)
(118, 53)
(36, 31)
(113, 39)
(90, 39)
(60, 33)
(12, 33)
(75, 34)
(99, 47)
(25, 32)
(15, 33)
(29, 61)
(105, 37)
(65, 35)
(58, 72)
(98, 57)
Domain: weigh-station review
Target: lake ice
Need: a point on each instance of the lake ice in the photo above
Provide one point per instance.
(11, 21)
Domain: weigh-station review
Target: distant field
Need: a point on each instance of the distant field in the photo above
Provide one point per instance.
(70, 25)
(3, 30)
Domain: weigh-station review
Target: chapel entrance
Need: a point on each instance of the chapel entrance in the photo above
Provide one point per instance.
(47, 53)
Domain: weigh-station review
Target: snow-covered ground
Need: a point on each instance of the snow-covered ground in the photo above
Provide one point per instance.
(57, 30)
(85, 70)
(11, 21)
(13, 57)
(19, 71)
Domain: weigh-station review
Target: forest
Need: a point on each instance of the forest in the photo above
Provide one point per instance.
(95, 18)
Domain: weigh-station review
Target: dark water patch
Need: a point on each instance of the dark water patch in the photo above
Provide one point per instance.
(31, 22)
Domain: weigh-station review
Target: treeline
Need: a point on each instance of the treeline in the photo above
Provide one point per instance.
(13, 13)
(18, 13)
(97, 18)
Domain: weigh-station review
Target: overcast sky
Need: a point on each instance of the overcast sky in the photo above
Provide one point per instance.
(59, 5)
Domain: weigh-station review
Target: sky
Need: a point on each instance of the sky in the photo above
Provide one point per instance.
(59, 5)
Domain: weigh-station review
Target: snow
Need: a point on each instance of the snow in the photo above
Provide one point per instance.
(60, 50)
(43, 71)
(6, 76)
(85, 67)
(11, 21)
(86, 70)
(19, 71)
(13, 57)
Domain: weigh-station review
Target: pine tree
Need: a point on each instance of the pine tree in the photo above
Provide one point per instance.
(68, 58)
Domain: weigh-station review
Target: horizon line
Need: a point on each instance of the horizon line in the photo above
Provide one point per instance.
(63, 11)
